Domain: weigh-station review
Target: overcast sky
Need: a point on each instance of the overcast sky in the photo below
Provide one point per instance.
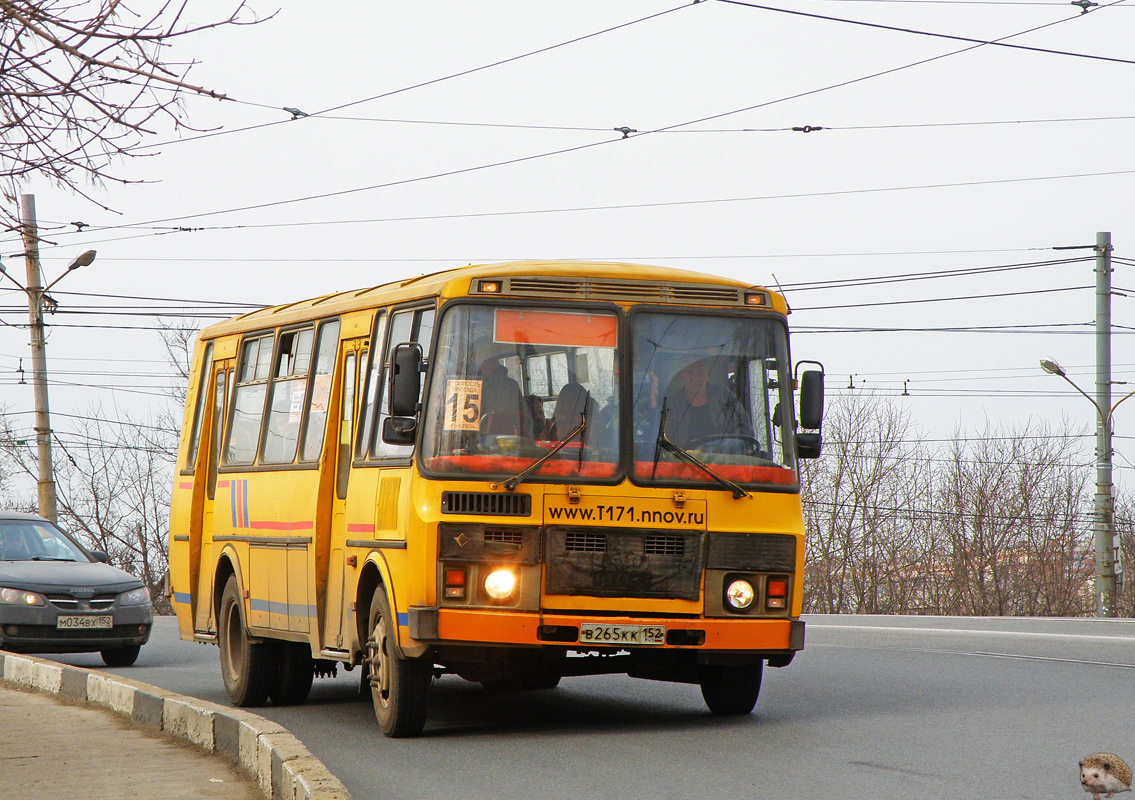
(936, 156)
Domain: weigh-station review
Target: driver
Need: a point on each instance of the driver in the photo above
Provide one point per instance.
(698, 408)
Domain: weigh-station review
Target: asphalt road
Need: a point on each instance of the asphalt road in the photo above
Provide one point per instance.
(884, 707)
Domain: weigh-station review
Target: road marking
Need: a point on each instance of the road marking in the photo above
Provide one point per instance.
(979, 653)
(812, 625)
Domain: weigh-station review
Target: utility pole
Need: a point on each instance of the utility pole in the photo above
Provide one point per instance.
(45, 486)
(1104, 501)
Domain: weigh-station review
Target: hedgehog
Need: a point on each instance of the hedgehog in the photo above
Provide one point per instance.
(1102, 773)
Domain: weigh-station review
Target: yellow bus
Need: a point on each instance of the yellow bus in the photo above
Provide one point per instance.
(513, 473)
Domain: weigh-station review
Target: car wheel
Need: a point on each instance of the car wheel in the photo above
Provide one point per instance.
(731, 690)
(121, 656)
(399, 687)
(247, 668)
(294, 674)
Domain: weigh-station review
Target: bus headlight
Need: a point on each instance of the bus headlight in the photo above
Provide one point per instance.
(740, 594)
(500, 583)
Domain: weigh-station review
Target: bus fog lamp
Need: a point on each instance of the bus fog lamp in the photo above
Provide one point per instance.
(740, 594)
(500, 583)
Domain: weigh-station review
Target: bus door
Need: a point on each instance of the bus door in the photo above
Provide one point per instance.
(353, 361)
(203, 612)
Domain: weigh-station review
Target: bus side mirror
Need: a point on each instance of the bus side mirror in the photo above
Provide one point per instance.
(399, 430)
(405, 380)
(811, 399)
(808, 445)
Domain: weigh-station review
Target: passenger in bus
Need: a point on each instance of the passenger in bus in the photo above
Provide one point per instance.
(698, 408)
(538, 421)
(572, 401)
(502, 404)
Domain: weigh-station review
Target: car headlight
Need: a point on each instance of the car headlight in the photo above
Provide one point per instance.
(135, 597)
(500, 583)
(740, 594)
(21, 597)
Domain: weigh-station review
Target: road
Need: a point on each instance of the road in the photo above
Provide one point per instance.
(874, 706)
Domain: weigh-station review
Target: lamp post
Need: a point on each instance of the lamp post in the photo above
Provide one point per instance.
(1103, 522)
(37, 295)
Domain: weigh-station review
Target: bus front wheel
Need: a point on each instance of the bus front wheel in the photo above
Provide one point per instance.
(399, 687)
(729, 690)
(248, 669)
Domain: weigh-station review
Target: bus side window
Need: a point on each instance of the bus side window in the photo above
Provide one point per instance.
(199, 410)
(373, 371)
(346, 424)
(219, 392)
(320, 393)
(414, 325)
(286, 397)
(248, 400)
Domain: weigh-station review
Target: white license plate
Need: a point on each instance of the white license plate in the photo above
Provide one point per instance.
(592, 633)
(85, 622)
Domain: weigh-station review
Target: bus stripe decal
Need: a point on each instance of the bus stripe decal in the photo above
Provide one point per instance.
(244, 503)
(360, 527)
(272, 525)
(181, 597)
(185, 485)
(232, 500)
(403, 620)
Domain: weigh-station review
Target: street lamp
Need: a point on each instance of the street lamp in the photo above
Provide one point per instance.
(1103, 501)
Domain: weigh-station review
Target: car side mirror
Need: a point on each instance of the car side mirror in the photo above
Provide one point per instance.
(99, 555)
(405, 380)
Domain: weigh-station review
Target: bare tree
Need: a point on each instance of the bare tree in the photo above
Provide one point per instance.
(861, 552)
(82, 80)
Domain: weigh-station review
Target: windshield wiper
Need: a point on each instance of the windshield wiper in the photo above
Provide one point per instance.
(664, 443)
(515, 480)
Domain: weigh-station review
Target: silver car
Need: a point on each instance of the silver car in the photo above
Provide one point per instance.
(58, 597)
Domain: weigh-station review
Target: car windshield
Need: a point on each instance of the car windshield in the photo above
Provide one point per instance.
(723, 388)
(509, 385)
(36, 540)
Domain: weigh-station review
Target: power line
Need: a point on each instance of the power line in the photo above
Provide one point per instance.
(578, 148)
(940, 299)
(422, 84)
(993, 42)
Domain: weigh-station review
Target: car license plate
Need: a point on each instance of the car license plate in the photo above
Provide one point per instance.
(85, 622)
(592, 633)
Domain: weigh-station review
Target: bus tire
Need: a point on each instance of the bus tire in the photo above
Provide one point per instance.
(246, 668)
(294, 675)
(399, 687)
(730, 691)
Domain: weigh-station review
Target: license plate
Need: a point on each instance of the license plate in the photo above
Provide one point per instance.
(591, 633)
(85, 622)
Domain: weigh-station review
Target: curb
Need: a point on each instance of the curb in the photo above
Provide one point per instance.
(267, 753)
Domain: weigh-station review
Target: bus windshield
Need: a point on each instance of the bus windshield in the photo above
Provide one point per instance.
(722, 388)
(510, 384)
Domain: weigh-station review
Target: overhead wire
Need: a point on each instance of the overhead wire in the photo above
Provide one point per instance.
(938, 35)
(580, 147)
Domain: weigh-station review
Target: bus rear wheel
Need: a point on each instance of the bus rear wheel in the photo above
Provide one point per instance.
(292, 682)
(247, 668)
(399, 687)
(730, 691)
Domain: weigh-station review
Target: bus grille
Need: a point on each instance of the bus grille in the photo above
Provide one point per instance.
(487, 503)
(766, 552)
(586, 542)
(661, 544)
(635, 291)
(512, 537)
(621, 562)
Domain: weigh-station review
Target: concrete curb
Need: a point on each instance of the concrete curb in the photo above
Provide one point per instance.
(273, 758)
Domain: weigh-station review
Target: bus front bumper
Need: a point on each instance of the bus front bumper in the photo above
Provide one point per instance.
(482, 627)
